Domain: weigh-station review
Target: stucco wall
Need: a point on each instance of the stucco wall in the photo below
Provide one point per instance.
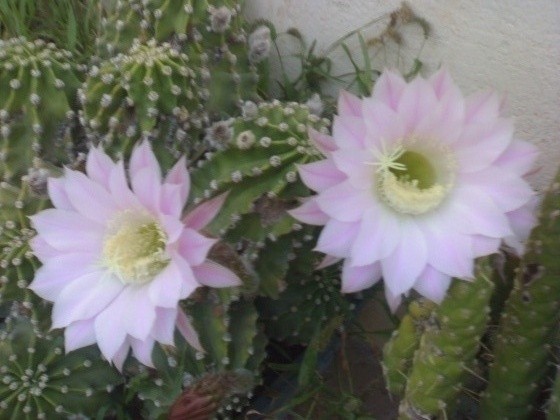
(510, 45)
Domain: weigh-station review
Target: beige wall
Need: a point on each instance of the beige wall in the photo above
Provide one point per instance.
(511, 45)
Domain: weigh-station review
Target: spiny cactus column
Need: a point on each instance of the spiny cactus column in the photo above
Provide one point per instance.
(448, 346)
(522, 342)
(17, 263)
(399, 350)
(553, 409)
(38, 83)
(262, 151)
(130, 94)
(39, 382)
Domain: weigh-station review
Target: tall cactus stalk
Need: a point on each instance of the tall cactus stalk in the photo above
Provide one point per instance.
(522, 343)
(448, 347)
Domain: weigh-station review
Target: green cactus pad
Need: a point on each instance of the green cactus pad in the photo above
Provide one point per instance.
(448, 346)
(527, 326)
(39, 83)
(399, 350)
(261, 158)
(40, 382)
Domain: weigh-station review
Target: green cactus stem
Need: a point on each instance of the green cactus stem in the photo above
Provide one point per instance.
(399, 350)
(17, 263)
(448, 347)
(130, 94)
(39, 382)
(523, 341)
(260, 158)
(39, 83)
(553, 408)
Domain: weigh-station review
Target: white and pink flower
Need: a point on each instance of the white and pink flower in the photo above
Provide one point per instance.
(418, 181)
(118, 256)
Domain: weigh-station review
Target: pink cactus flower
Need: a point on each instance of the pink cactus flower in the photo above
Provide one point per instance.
(418, 181)
(117, 258)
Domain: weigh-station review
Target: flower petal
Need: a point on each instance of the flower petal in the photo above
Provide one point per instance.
(310, 213)
(179, 175)
(337, 238)
(432, 284)
(402, 268)
(164, 325)
(79, 334)
(57, 194)
(99, 166)
(203, 214)
(343, 202)
(143, 157)
(349, 104)
(194, 247)
(146, 185)
(355, 279)
(187, 330)
(212, 274)
(322, 142)
(165, 289)
(320, 175)
(389, 89)
(142, 350)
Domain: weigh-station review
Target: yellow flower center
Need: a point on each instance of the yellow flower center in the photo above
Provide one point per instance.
(414, 180)
(134, 248)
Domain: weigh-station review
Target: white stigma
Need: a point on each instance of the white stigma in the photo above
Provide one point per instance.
(134, 248)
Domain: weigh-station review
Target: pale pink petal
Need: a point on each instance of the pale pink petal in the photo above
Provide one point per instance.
(147, 187)
(327, 261)
(442, 83)
(343, 202)
(349, 104)
(212, 274)
(393, 300)
(323, 142)
(483, 107)
(79, 334)
(120, 190)
(203, 214)
(58, 229)
(110, 330)
(384, 126)
(507, 189)
(189, 282)
(89, 198)
(171, 202)
(522, 221)
(518, 158)
(179, 175)
(138, 311)
(378, 235)
(143, 158)
(121, 355)
(416, 102)
(84, 298)
(337, 238)
(58, 272)
(389, 89)
(357, 166)
(142, 350)
(479, 213)
(194, 247)
(165, 289)
(349, 132)
(99, 166)
(484, 245)
(355, 279)
(402, 268)
(480, 145)
(187, 330)
(57, 194)
(42, 250)
(449, 251)
(164, 325)
(172, 226)
(310, 213)
(320, 175)
(432, 284)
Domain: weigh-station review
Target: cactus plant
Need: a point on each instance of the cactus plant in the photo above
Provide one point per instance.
(399, 350)
(448, 346)
(260, 159)
(40, 382)
(528, 322)
(39, 81)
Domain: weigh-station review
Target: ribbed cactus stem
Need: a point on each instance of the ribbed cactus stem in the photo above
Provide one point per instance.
(448, 347)
(399, 350)
(523, 341)
(553, 411)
